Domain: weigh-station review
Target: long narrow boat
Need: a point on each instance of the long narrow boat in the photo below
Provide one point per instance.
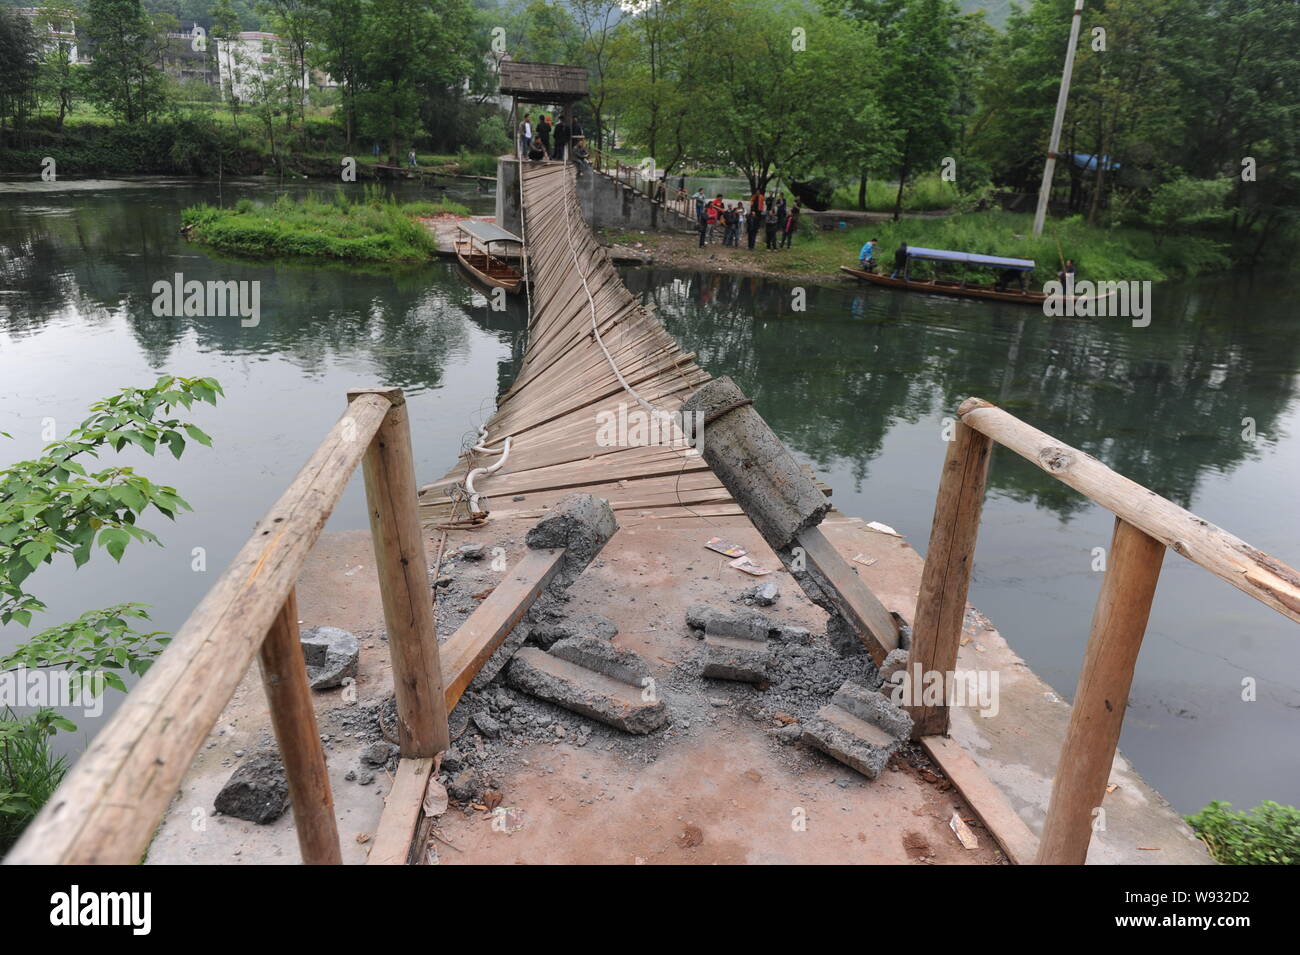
(474, 251)
(961, 289)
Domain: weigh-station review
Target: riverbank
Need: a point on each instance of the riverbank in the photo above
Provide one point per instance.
(196, 145)
(1116, 254)
(375, 229)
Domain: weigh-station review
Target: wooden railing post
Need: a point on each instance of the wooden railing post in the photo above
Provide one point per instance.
(941, 602)
(284, 675)
(1118, 624)
(403, 570)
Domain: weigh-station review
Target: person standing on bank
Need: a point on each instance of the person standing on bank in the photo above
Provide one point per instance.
(562, 133)
(769, 226)
(544, 133)
(753, 219)
(525, 134)
(791, 224)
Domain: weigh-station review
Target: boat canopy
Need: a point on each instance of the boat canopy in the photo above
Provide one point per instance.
(486, 232)
(969, 258)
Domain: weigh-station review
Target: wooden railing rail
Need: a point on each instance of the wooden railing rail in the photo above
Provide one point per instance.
(1145, 525)
(110, 803)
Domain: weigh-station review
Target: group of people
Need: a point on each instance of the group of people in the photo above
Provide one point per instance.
(778, 220)
(552, 140)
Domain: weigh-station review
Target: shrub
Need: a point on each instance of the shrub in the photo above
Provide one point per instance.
(1267, 835)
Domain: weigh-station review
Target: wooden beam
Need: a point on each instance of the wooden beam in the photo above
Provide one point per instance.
(466, 650)
(403, 570)
(854, 600)
(1118, 624)
(985, 799)
(1265, 578)
(945, 581)
(397, 824)
(108, 806)
(284, 675)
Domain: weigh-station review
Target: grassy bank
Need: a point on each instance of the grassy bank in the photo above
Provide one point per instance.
(1111, 254)
(375, 229)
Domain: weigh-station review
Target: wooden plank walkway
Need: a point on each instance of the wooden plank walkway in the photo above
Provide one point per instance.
(566, 381)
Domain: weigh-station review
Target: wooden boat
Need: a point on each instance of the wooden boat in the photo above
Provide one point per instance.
(962, 289)
(474, 247)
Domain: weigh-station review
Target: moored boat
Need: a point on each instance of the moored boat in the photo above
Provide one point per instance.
(961, 288)
(474, 250)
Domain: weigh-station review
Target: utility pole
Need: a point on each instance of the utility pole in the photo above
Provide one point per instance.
(1045, 190)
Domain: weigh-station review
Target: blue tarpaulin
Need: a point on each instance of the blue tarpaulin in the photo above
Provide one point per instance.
(969, 258)
(1089, 162)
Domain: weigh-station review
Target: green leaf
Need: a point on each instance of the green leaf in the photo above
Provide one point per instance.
(198, 435)
(115, 540)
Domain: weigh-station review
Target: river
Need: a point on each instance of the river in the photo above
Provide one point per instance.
(859, 384)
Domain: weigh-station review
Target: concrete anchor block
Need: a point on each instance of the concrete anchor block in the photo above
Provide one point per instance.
(854, 742)
(581, 524)
(593, 678)
(733, 658)
(860, 728)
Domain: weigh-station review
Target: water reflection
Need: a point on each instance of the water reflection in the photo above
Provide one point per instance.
(1162, 405)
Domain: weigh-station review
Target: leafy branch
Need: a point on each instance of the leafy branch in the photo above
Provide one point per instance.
(53, 505)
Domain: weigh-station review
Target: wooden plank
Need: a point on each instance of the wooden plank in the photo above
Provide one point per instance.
(1097, 714)
(852, 598)
(401, 816)
(945, 581)
(985, 799)
(1265, 578)
(403, 571)
(284, 676)
(466, 650)
(108, 806)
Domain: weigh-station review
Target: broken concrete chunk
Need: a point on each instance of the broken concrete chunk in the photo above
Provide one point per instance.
(860, 728)
(378, 754)
(465, 786)
(470, 551)
(331, 656)
(603, 657)
(874, 708)
(890, 668)
(580, 523)
(764, 595)
(487, 725)
(587, 625)
(854, 742)
(789, 634)
(593, 678)
(733, 658)
(257, 791)
(744, 624)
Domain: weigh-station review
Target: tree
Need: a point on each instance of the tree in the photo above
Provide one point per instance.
(19, 59)
(59, 82)
(124, 78)
(920, 80)
(409, 48)
(338, 51)
(225, 33)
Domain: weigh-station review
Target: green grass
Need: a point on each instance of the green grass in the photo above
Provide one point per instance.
(927, 194)
(376, 229)
(1267, 835)
(1110, 254)
(29, 771)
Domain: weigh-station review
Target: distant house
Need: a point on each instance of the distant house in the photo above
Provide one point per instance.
(55, 34)
(251, 58)
(187, 60)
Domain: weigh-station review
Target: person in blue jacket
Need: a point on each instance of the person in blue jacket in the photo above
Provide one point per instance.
(867, 257)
